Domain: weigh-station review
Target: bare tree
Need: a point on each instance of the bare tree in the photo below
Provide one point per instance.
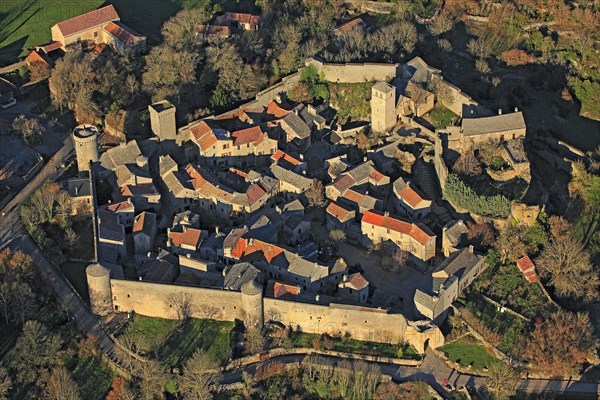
(501, 380)
(23, 301)
(512, 242)
(481, 235)
(401, 258)
(467, 164)
(567, 265)
(315, 194)
(337, 235)
(419, 95)
(406, 34)
(30, 129)
(441, 90)
(64, 204)
(441, 24)
(255, 340)
(6, 300)
(150, 377)
(5, 383)
(444, 45)
(72, 239)
(198, 377)
(61, 386)
(482, 66)
(561, 344)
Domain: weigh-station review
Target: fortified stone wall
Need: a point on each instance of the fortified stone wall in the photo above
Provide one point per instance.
(161, 300)
(438, 161)
(355, 72)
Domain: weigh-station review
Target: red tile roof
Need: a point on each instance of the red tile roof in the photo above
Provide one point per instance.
(254, 193)
(357, 281)
(50, 46)
(248, 135)
(411, 197)
(339, 212)
(243, 248)
(138, 222)
(209, 30)
(197, 180)
(343, 182)
(279, 155)
(141, 189)
(204, 135)
(35, 57)
(376, 175)
(353, 196)
(416, 232)
(282, 289)
(276, 110)
(190, 237)
(89, 20)
(242, 18)
(120, 206)
(122, 33)
(348, 26)
(527, 267)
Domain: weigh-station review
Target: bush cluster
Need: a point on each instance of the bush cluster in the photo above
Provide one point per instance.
(459, 193)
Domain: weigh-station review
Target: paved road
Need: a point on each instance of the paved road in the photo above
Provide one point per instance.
(433, 371)
(14, 236)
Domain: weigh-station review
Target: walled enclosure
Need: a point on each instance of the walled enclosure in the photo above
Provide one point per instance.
(160, 300)
(355, 72)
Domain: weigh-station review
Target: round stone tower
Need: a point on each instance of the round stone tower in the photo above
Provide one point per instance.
(252, 304)
(98, 279)
(85, 140)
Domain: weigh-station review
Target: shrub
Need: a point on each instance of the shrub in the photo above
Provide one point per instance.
(459, 193)
(516, 57)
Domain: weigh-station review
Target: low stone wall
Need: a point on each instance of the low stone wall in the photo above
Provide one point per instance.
(354, 72)
(278, 352)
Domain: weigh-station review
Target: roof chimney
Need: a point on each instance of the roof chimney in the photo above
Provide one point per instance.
(76, 190)
(387, 214)
(499, 111)
(302, 157)
(471, 249)
(516, 109)
(148, 254)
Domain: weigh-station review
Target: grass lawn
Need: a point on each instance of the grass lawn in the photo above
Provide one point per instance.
(160, 338)
(93, 376)
(26, 23)
(351, 100)
(75, 273)
(468, 351)
(440, 117)
(300, 339)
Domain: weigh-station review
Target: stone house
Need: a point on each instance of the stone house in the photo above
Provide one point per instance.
(414, 238)
(409, 201)
(144, 196)
(80, 191)
(339, 217)
(243, 21)
(354, 288)
(98, 26)
(354, 24)
(279, 263)
(241, 148)
(111, 237)
(125, 211)
(144, 232)
(413, 99)
(454, 236)
(450, 278)
(297, 134)
(186, 242)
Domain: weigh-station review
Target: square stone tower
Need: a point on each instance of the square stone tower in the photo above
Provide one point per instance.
(162, 120)
(383, 107)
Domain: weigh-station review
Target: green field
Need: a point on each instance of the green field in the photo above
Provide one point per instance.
(171, 345)
(441, 117)
(306, 340)
(26, 23)
(468, 351)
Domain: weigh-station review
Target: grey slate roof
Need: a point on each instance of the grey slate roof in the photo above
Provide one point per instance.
(239, 274)
(496, 123)
(299, 181)
(166, 164)
(458, 264)
(456, 231)
(120, 155)
(79, 187)
(297, 125)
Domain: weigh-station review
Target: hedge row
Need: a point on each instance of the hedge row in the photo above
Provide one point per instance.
(457, 192)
